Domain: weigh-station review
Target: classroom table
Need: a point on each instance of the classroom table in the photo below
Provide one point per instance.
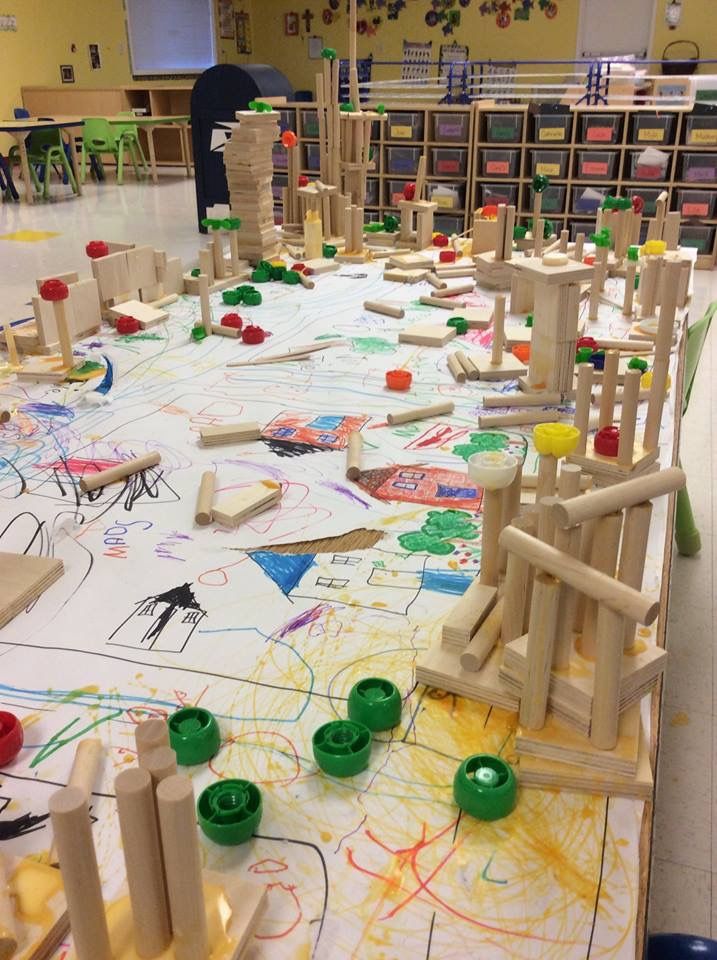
(154, 612)
(20, 130)
(151, 123)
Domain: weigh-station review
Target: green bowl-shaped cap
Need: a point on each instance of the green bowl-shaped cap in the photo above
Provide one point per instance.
(390, 223)
(277, 273)
(231, 297)
(637, 363)
(291, 277)
(583, 354)
(252, 298)
(195, 272)
(460, 323)
(198, 333)
(342, 748)
(193, 735)
(529, 320)
(328, 250)
(376, 703)
(260, 276)
(519, 233)
(229, 811)
(485, 787)
(633, 253)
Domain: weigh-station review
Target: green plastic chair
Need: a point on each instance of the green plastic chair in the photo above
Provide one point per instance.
(130, 134)
(98, 140)
(45, 149)
(687, 536)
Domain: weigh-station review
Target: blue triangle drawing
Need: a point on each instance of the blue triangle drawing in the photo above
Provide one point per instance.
(285, 569)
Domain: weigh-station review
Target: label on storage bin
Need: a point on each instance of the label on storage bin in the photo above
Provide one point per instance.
(651, 133)
(695, 209)
(402, 133)
(701, 173)
(443, 200)
(548, 169)
(448, 166)
(395, 197)
(594, 168)
(703, 136)
(450, 130)
(498, 166)
(646, 171)
(603, 134)
(502, 133)
(693, 242)
(551, 133)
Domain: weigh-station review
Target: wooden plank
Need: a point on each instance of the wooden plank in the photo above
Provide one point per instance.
(24, 578)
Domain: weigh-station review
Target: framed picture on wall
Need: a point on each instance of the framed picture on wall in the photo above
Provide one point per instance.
(226, 19)
(291, 24)
(94, 52)
(67, 73)
(243, 24)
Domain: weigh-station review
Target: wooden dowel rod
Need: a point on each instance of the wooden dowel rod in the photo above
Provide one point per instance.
(63, 332)
(603, 558)
(485, 638)
(598, 586)
(569, 480)
(508, 236)
(204, 305)
(8, 930)
(160, 763)
(599, 502)
(628, 418)
(440, 302)
(93, 481)
(436, 282)
(582, 403)
(490, 531)
(547, 476)
(143, 860)
(633, 552)
(609, 384)
(630, 273)
(486, 420)
(232, 333)
(663, 343)
(353, 455)
(456, 369)
(568, 541)
(446, 291)
(293, 354)
(546, 524)
(515, 593)
(496, 355)
(606, 693)
(218, 255)
(578, 249)
(493, 400)
(83, 774)
(539, 657)
(510, 510)
(205, 498)
(421, 413)
(633, 347)
(387, 309)
(180, 847)
(149, 735)
(70, 817)
(500, 233)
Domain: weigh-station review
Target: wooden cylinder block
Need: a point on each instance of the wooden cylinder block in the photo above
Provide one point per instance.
(160, 763)
(606, 543)
(492, 515)
(606, 694)
(485, 638)
(599, 502)
(633, 552)
(205, 498)
(93, 481)
(541, 637)
(515, 593)
(353, 455)
(149, 735)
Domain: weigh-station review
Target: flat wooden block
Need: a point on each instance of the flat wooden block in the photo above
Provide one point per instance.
(191, 284)
(320, 265)
(440, 667)
(405, 276)
(229, 433)
(24, 578)
(534, 269)
(49, 369)
(257, 498)
(146, 315)
(646, 330)
(411, 261)
(510, 368)
(514, 335)
(467, 615)
(478, 318)
(427, 334)
(606, 470)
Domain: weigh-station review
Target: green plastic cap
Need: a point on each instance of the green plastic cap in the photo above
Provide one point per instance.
(637, 363)
(291, 277)
(193, 735)
(277, 273)
(328, 53)
(346, 107)
(519, 233)
(260, 276)
(485, 787)
(633, 253)
(342, 748)
(195, 272)
(460, 323)
(390, 223)
(198, 333)
(252, 297)
(231, 297)
(375, 703)
(583, 354)
(540, 183)
(229, 811)
(328, 250)
(529, 320)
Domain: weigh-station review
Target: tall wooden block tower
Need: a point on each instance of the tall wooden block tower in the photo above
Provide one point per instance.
(249, 169)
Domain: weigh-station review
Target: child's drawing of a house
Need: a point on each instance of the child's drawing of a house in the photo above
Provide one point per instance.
(163, 622)
(328, 431)
(416, 483)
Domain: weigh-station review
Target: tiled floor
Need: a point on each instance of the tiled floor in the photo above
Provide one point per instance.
(683, 897)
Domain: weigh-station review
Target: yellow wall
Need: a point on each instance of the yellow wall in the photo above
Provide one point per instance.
(698, 23)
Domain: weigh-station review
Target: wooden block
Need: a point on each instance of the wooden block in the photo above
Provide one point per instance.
(467, 615)
(146, 315)
(533, 268)
(387, 309)
(24, 578)
(404, 276)
(213, 436)
(441, 303)
(321, 265)
(478, 318)
(456, 368)
(411, 261)
(235, 508)
(142, 267)
(124, 469)
(440, 667)
(421, 413)
(112, 275)
(514, 335)
(510, 368)
(607, 470)
(49, 369)
(427, 335)
(70, 277)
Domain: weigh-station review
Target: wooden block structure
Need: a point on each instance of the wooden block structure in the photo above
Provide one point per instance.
(417, 214)
(500, 365)
(249, 169)
(493, 266)
(83, 315)
(170, 898)
(665, 225)
(137, 273)
(328, 202)
(213, 263)
(556, 298)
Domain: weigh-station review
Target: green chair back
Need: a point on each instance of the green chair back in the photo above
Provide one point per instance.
(97, 135)
(696, 336)
(41, 142)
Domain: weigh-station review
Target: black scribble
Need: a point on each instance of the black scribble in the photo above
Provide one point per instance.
(289, 448)
(27, 823)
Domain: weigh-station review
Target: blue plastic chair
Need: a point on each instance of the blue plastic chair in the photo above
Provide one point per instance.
(680, 946)
(7, 185)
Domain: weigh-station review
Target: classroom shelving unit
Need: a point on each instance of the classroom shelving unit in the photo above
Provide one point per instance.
(488, 153)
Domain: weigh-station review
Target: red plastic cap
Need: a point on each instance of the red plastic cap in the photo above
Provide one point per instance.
(96, 248)
(409, 191)
(521, 351)
(299, 267)
(127, 324)
(440, 240)
(11, 737)
(587, 342)
(589, 260)
(303, 180)
(447, 256)
(607, 441)
(54, 290)
(288, 139)
(252, 334)
(398, 379)
(638, 204)
(490, 210)
(232, 320)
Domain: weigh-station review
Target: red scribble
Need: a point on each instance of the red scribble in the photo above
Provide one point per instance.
(144, 712)
(290, 889)
(223, 580)
(181, 697)
(263, 864)
(77, 466)
(408, 856)
(292, 751)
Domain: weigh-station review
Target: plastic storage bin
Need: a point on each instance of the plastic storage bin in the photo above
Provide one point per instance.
(699, 167)
(504, 127)
(277, 185)
(394, 191)
(553, 198)
(450, 127)
(652, 127)
(597, 164)
(499, 163)
(649, 196)
(312, 156)
(497, 193)
(600, 127)
(696, 203)
(371, 198)
(448, 196)
(648, 165)
(287, 120)
(587, 199)
(701, 130)
(553, 127)
(404, 126)
(549, 163)
(585, 227)
(279, 157)
(448, 162)
(309, 123)
(403, 159)
(448, 225)
(700, 238)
